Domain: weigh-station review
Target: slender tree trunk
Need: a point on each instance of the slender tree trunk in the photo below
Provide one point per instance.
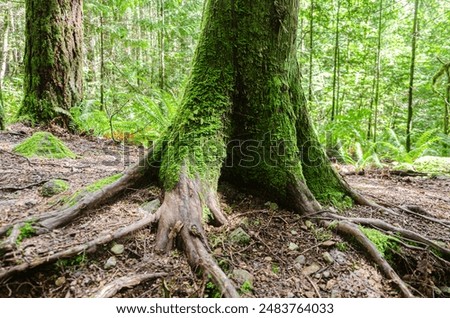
(311, 51)
(411, 76)
(53, 60)
(161, 44)
(374, 102)
(335, 63)
(3, 64)
(102, 63)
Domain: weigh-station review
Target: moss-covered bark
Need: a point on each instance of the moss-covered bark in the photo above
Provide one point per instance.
(244, 103)
(53, 60)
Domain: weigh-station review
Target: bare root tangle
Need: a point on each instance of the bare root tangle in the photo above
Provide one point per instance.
(351, 229)
(82, 248)
(388, 227)
(54, 219)
(114, 287)
(181, 216)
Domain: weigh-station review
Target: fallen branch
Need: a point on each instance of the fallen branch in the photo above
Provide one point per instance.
(114, 287)
(82, 248)
(351, 229)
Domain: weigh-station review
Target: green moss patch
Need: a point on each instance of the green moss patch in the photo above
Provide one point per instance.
(385, 244)
(44, 144)
(97, 185)
(433, 165)
(54, 187)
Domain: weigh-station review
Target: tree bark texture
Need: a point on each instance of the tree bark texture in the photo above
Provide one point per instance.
(53, 60)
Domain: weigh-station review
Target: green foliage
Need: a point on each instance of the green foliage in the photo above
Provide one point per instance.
(246, 287)
(44, 144)
(433, 165)
(27, 230)
(78, 260)
(275, 268)
(212, 290)
(342, 246)
(385, 244)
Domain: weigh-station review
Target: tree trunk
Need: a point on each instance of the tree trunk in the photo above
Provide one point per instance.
(3, 63)
(53, 60)
(411, 76)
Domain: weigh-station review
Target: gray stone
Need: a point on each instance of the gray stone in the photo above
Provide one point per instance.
(335, 293)
(328, 258)
(300, 260)
(60, 281)
(151, 206)
(293, 246)
(311, 269)
(118, 249)
(239, 236)
(54, 187)
(110, 263)
(326, 274)
(339, 256)
(241, 276)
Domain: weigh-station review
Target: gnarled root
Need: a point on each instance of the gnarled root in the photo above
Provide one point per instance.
(181, 217)
(351, 229)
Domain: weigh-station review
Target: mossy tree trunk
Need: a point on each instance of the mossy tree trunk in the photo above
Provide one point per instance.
(243, 116)
(53, 60)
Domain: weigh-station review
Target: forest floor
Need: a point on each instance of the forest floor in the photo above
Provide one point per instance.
(285, 257)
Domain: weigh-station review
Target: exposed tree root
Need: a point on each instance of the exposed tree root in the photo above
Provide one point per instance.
(82, 248)
(181, 216)
(388, 227)
(348, 228)
(113, 288)
(51, 220)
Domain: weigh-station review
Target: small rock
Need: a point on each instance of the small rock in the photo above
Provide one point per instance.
(293, 246)
(309, 224)
(310, 294)
(326, 274)
(328, 243)
(239, 236)
(311, 269)
(294, 232)
(328, 258)
(53, 187)
(110, 263)
(318, 276)
(445, 289)
(268, 259)
(339, 256)
(241, 276)
(335, 293)
(290, 295)
(60, 281)
(151, 206)
(118, 249)
(300, 260)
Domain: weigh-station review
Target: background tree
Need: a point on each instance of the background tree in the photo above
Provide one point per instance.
(53, 60)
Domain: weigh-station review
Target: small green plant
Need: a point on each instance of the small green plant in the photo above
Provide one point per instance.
(275, 268)
(212, 290)
(322, 234)
(26, 231)
(246, 287)
(342, 246)
(71, 262)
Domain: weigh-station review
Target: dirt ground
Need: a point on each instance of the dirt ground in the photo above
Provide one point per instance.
(285, 256)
